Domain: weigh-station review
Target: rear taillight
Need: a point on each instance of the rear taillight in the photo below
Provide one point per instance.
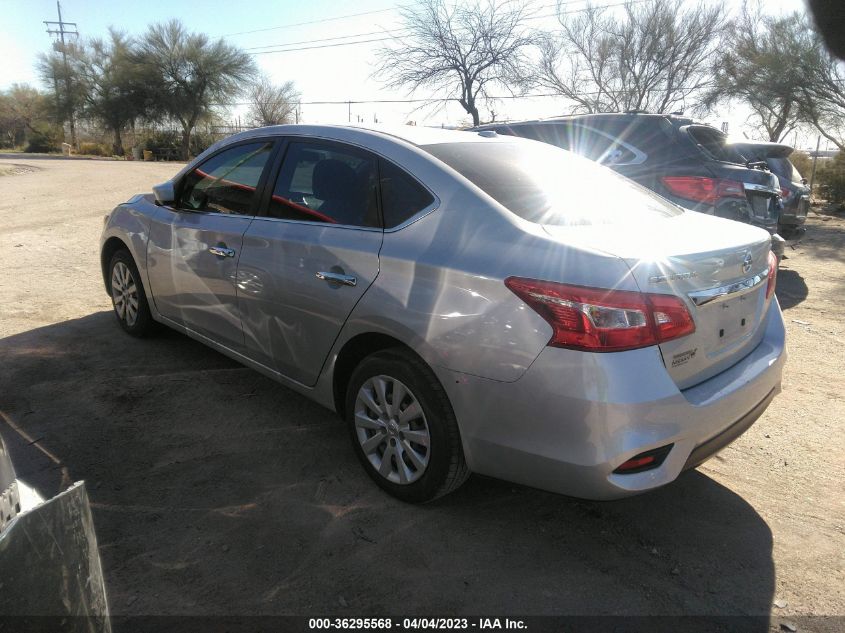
(600, 320)
(701, 189)
(773, 275)
(784, 193)
(644, 461)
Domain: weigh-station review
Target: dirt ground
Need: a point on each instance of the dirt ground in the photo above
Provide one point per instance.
(217, 491)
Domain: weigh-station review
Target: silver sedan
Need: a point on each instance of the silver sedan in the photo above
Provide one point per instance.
(465, 302)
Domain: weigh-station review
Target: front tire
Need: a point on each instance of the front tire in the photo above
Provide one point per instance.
(402, 427)
(128, 297)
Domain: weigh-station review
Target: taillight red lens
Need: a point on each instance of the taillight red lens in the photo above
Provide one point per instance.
(701, 189)
(773, 275)
(601, 320)
(644, 461)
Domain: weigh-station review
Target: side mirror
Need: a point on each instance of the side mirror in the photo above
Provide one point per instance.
(165, 193)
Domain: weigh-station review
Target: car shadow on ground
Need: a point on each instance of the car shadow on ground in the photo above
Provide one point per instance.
(217, 491)
(791, 288)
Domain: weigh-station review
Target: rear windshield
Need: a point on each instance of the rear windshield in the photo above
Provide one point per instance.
(784, 167)
(713, 142)
(548, 185)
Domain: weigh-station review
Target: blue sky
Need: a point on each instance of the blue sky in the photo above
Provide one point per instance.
(322, 74)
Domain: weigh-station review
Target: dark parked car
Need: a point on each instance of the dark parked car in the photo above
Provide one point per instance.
(794, 189)
(687, 162)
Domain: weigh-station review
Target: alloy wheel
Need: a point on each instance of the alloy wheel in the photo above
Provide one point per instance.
(124, 293)
(392, 429)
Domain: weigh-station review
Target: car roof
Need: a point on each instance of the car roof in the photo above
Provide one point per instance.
(415, 135)
(764, 148)
(676, 119)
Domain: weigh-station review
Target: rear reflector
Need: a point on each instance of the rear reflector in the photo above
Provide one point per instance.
(601, 320)
(773, 275)
(701, 189)
(644, 461)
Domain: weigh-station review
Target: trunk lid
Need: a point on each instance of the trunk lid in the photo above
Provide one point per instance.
(718, 267)
(762, 193)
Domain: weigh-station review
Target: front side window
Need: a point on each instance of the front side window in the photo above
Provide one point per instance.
(227, 181)
(326, 183)
(402, 197)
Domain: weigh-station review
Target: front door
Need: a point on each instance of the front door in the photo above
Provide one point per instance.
(308, 260)
(195, 245)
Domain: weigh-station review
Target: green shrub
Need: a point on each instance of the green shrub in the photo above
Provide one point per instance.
(200, 141)
(803, 163)
(831, 179)
(95, 149)
(162, 139)
(44, 139)
(172, 140)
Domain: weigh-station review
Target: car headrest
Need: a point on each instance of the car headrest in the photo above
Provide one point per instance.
(332, 179)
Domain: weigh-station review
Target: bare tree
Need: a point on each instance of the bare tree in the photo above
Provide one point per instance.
(458, 51)
(272, 104)
(823, 93)
(654, 57)
(761, 67)
(191, 73)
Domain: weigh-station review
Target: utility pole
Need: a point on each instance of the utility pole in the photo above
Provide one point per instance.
(58, 29)
(815, 158)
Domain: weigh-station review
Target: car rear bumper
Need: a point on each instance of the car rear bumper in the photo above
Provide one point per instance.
(573, 417)
(792, 219)
(794, 212)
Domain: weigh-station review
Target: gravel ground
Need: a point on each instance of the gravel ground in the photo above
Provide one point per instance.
(217, 491)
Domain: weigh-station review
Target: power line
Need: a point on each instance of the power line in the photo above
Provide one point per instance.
(334, 19)
(355, 15)
(393, 34)
(313, 41)
(335, 45)
(442, 99)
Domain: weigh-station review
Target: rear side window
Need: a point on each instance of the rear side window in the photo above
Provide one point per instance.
(783, 167)
(590, 143)
(402, 197)
(226, 182)
(544, 184)
(599, 147)
(713, 143)
(326, 183)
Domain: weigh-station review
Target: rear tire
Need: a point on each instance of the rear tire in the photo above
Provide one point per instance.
(786, 231)
(403, 428)
(128, 297)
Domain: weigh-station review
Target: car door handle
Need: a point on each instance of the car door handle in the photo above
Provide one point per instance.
(347, 280)
(221, 251)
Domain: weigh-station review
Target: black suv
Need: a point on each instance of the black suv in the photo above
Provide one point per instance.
(793, 187)
(687, 162)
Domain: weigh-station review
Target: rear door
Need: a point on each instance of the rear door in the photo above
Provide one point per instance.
(310, 256)
(195, 245)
